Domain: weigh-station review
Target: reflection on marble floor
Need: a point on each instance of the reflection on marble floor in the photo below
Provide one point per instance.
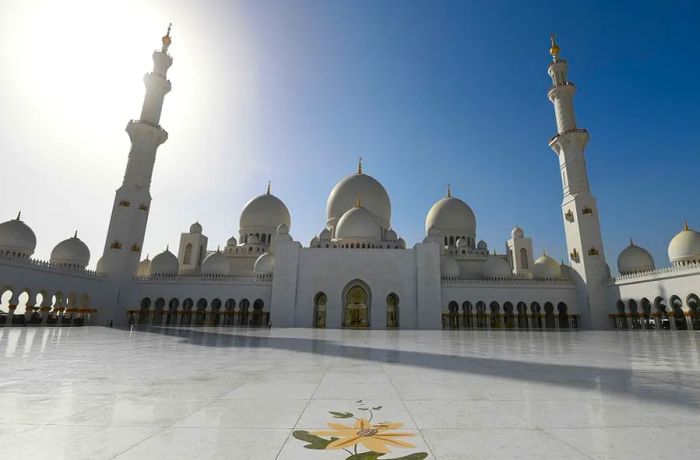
(94, 392)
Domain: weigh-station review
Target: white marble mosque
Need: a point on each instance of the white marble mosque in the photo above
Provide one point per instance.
(357, 272)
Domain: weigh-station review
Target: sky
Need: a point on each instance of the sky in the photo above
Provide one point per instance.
(428, 93)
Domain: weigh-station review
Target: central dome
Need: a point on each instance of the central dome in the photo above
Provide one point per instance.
(358, 223)
(264, 211)
(345, 194)
(451, 215)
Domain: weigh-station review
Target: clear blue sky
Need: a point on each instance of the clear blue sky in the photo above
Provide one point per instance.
(427, 92)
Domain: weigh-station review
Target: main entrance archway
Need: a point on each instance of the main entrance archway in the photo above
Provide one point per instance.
(356, 305)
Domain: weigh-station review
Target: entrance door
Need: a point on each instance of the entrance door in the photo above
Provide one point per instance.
(356, 311)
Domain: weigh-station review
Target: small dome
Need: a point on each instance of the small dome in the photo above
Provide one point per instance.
(264, 211)
(634, 259)
(482, 245)
(71, 252)
(546, 267)
(142, 269)
(283, 229)
(517, 232)
(216, 263)
(264, 264)
(496, 267)
(100, 269)
(448, 266)
(314, 242)
(252, 239)
(391, 235)
(165, 263)
(402, 243)
(684, 247)
(232, 241)
(461, 243)
(17, 237)
(565, 271)
(325, 235)
(374, 197)
(451, 215)
(358, 223)
(196, 228)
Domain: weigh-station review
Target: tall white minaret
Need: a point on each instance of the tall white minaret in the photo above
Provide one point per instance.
(132, 200)
(579, 209)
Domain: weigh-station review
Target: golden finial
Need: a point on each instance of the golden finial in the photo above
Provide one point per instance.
(358, 202)
(631, 242)
(19, 215)
(166, 38)
(75, 235)
(359, 165)
(449, 191)
(554, 50)
(269, 184)
(167, 247)
(685, 225)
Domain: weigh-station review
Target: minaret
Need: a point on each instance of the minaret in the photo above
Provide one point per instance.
(579, 209)
(132, 200)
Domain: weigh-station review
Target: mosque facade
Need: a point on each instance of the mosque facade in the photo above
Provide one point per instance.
(357, 272)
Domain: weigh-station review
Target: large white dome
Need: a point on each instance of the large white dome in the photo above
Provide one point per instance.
(16, 237)
(216, 263)
(497, 267)
(684, 247)
(264, 211)
(373, 195)
(634, 259)
(358, 223)
(453, 216)
(546, 267)
(71, 252)
(165, 263)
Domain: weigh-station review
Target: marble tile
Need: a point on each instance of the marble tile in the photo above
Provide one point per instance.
(467, 414)
(210, 443)
(272, 390)
(497, 444)
(249, 413)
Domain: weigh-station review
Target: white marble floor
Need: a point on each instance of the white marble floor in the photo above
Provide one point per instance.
(265, 394)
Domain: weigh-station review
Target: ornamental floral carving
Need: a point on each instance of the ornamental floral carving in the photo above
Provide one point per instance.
(362, 439)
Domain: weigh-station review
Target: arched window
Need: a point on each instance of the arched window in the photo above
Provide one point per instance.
(523, 258)
(392, 310)
(549, 319)
(263, 238)
(188, 254)
(452, 241)
(320, 302)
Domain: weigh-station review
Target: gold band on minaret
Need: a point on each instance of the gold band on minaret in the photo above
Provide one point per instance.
(554, 49)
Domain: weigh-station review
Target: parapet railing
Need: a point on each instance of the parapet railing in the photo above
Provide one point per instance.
(514, 281)
(192, 277)
(48, 266)
(688, 269)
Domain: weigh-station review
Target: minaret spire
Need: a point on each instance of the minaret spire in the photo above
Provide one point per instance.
(554, 49)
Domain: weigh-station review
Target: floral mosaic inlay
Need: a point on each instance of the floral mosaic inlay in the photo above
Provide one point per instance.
(364, 439)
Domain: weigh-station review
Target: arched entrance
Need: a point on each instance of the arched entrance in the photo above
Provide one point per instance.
(392, 310)
(356, 305)
(320, 302)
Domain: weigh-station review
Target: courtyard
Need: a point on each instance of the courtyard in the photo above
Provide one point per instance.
(99, 393)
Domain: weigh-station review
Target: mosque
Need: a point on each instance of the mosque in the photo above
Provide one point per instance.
(357, 272)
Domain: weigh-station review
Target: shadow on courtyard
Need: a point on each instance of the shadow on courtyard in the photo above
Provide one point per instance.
(664, 386)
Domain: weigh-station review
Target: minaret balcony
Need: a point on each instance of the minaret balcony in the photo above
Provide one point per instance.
(145, 125)
(568, 131)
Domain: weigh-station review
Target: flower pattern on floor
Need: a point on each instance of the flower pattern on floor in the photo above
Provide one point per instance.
(378, 438)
